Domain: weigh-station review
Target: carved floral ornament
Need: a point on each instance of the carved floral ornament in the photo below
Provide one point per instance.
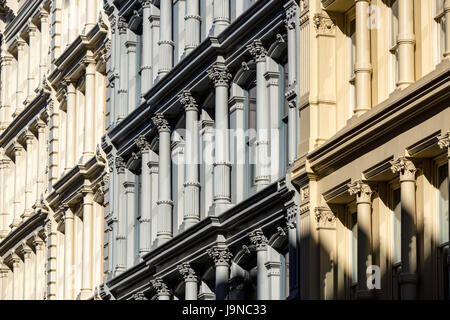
(188, 101)
(405, 167)
(361, 190)
(257, 50)
(323, 24)
(324, 217)
(258, 238)
(444, 141)
(219, 74)
(187, 272)
(220, 255)
(161, 123)
(160, 287)
(142, 143)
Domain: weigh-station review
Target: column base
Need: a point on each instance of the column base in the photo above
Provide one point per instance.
(218, 208)
(26, 214)
(85, 294)
(408, 286)
(119, 270)
(187, 224)
(86, 157)
(159, 242)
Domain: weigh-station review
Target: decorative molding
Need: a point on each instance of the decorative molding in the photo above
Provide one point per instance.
(219, 74)
(161, 123)
(325, 218)
(405, 167)
(361, 190)
(258, 239)
(324, 25)
(257, 50)
(187, 272)
(220, 255)
(188, 102)
(142, 143)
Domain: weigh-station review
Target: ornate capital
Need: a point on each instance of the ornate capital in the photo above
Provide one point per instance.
(187, 272)
(120, 165)
(258, 238)
(405, 167)
(142, 143)
(145, 3)
(161, 123)
(325, 218)
(323, 24)
(219, 74)
(444, 141)
(291, 216)
(138, 296)
(220, 255)
(257, 50)
(122, 25)
(188, 101)
(160, 287)
(362, 191)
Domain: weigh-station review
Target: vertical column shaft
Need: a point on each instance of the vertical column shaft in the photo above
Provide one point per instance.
(39, 271)
(86, 275)
(27, 272)
(190, 281)
(5, 111)
(41, 152)
(18, 154)
(43, 50)
(447, 29)
(68, 253)
(129, 187)
(91, 15)
(32, 64)
(406, 40)
(71, 125)
(89, 110)
(260, 241)
(120, 208)
(123, 78)
(147, 42)
(29, 165)
(193, 20)
(146, 194)
(132, 72)
(73, 19)
(221, 16)
(20, 76)
(221, 257)
(166, 44)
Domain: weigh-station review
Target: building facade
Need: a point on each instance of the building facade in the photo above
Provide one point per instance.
(200, 94)
(52, 114)
(372, 172)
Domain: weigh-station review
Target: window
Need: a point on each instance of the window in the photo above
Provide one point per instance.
(351, 67)
(439, 17)
(393, 46)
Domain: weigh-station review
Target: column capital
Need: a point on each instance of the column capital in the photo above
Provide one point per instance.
(17, 148)
(31, 28)
(160, 287)
(405, 166)
(142, 143)
(362, 191)
(120, 165)
(161, 123)
(323, 24)
(187, 272)
(145, 3)
(291, 216)
(122, 25)
(444, 141)
(139, 296)
(220, 255)
(219, 74)
(257, 50)
(325, 218)
(188, 102)
(258, 238)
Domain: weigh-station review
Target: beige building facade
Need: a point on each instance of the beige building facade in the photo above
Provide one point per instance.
(52, 118)
(372, 172)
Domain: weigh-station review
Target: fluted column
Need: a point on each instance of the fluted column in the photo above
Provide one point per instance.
(3, 215)
(193, 20)
(444, 143)
(40, 166)
(5, 111)
(293, 228)
(191, 182)
(162, 291)
(259, 53)
(273, 277)
(86, 274)
(91, 15)
(44, 44)
(129, 188)
(147, 42)
(16, 290)
(70, 126)
(121, 216)
(123, 78)
(18, 155)
(406, 41)
(222, 167)
(38, 268)
(68, 253)
(260, 241)
(73, 19)
(363, 194)
(29, 165)
(222, 258)
(132, 73)
(447, 29)
(146, 188)
(166, 44)
(221, 16)
(26, 252)
(408, 277)
(32, 63)
(190, 281)
(89, 110)
(363, 67)
(20, 76)
(165, 203)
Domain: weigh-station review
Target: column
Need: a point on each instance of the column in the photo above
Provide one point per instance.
(190, 281)
(5, 111)
(447, 29)
(129, 188)
(70, 126)
(273, 277)
(363, 194)
(292, 223)
(91, 15)
(44, 44)
(18, 155)
(29, 166)
(222, 167)
(161, 289)
(146, 194)
(132, 72)
(444, 143)
(121, 216)
(73, 18)
(39, 270)
(68, 253)
(4, 166)
(32, 47)
(123, 79)
(89, 110)
(363, 67)
(221, 16)
(15, 263)
(147, 42)
(20, 76)
(26, 252)
(40, 167)
(406, 41)
(222, 258)
(262, 116)
(191, 179)
(272, 80)
(192, 24)
(165, 203)
(86, 273)
(258, 239)
(165, 43)
(408, 277)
